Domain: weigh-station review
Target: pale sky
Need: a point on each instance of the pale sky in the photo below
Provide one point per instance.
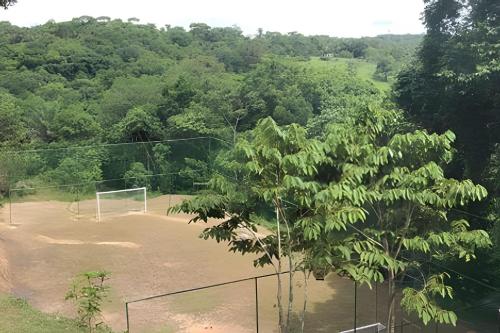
(343, 18)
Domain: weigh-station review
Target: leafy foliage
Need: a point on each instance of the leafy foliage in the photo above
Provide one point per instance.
(363, 171)
(88, 292)
(7, 3)
(137, 175)
(408, 200)
(93, 81)
(453, 84)
(275, 174)
(71, 171)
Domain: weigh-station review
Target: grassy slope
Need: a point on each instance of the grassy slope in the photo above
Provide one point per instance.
(364, 69)
(18, 316)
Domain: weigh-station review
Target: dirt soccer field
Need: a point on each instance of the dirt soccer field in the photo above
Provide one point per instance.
(150, 254)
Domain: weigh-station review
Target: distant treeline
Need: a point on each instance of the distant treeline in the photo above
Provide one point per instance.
(128, 40)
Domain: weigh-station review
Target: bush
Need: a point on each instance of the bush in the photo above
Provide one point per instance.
(137, 176)
(89, 292)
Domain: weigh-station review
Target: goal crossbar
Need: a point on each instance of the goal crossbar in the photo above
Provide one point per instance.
(139, 189)
(125, 190)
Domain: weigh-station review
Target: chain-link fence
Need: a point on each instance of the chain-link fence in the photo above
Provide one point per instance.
(82, 164)
(64, 181)
(79, 201)
(249, 305)
(67, 179)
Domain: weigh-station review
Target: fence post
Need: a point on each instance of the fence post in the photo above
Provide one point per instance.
(256, 304)
(376, 302)
(355, 305)
(126, 315)
(10, 206)
(209, 151)
(498, 323)
(255, 278)
(77, 203)
(97, 215)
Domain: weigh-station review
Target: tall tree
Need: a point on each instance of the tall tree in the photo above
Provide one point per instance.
(276, 182)
(7, 3)
(12, 129)
(410, 206)
(319, 190)
(454, 84)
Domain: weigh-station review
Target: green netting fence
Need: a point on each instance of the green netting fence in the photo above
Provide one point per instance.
(334, 305)
(71, 176)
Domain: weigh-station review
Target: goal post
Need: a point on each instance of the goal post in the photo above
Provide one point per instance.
(121, 201)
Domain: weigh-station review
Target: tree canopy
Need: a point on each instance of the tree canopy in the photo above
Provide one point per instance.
(7, 3)
(315, 193)
(454, 84)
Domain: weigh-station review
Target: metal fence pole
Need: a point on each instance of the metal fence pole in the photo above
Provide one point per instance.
(376, 302)
(355, 305)
(498, 320)
(10, 207)
(77, 203)
(256, 304)
(126, 315)
(209, 153)
(207, 287)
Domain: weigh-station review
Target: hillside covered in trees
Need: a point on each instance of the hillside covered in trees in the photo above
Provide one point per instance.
(101, 81)
(67, 82)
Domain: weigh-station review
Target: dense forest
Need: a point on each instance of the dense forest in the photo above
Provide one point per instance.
(94, 71)
(94, 81)
(101, 81)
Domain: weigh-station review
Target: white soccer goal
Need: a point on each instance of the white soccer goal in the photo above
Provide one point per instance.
(121, 201)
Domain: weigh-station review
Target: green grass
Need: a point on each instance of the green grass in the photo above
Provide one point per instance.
(16, 315)
(364, 69)
(45, 194)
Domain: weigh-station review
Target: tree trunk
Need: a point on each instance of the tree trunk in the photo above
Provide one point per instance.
(391, 315)
(303, 316)
(281, 323)
(291, 269)
(290, 296)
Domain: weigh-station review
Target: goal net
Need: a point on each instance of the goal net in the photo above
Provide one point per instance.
(120, 202)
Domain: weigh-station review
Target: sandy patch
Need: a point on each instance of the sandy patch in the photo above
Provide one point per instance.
(129, 245)
(170, 264)
(49, 240)
(194, 324)
(8, 226)
(5, 284)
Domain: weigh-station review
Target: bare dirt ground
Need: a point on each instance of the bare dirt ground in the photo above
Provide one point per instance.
(149, 254)
(5, 279)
